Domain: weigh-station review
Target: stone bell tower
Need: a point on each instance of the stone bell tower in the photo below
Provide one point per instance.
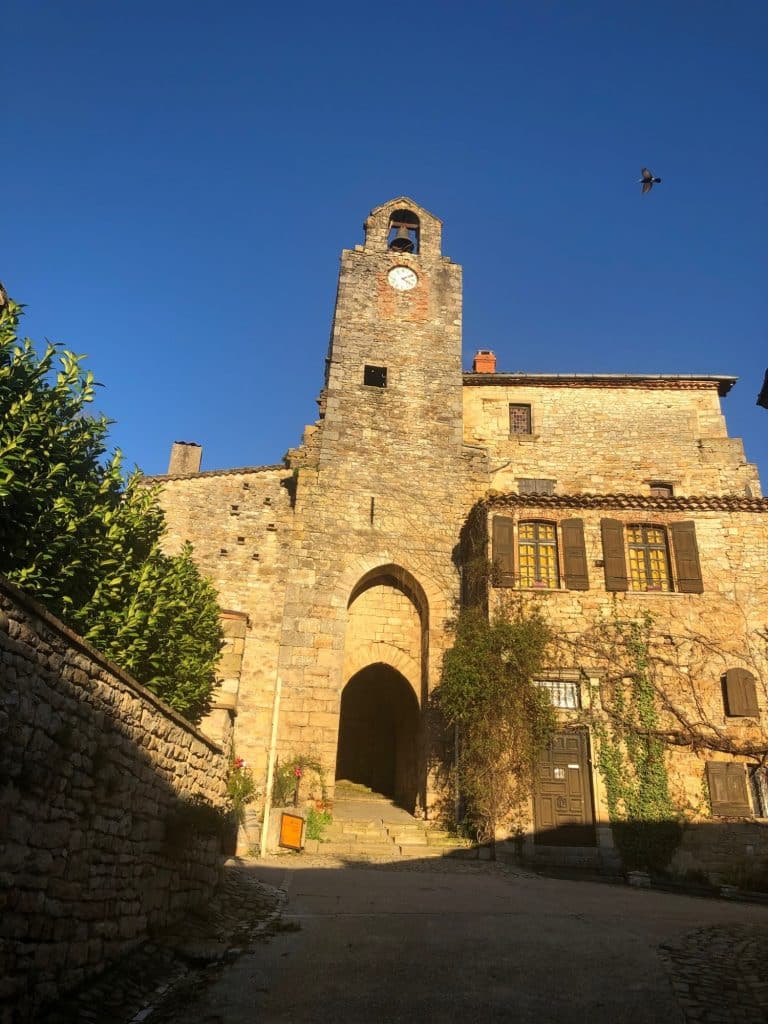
(393, 375)
(381, 491)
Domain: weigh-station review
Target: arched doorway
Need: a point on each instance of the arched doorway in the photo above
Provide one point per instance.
(378, 734)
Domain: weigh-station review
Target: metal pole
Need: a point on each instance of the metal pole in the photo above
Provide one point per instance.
(270, 767)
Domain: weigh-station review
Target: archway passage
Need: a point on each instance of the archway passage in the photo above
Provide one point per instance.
(378, 734)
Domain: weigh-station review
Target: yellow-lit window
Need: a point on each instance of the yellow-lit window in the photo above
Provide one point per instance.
(537, 554)
(648, 558)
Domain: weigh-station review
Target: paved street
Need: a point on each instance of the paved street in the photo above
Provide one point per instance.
(468, 942)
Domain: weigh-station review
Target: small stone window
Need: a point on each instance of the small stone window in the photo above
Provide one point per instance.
(562, 693)
(526, 485)
(519, 419)
(375, 376)
(661, 490)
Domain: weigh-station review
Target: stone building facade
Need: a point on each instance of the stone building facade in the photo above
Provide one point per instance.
(342, 569)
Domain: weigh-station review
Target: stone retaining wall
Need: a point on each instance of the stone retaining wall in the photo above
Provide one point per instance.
(109, 805)
(725, 853)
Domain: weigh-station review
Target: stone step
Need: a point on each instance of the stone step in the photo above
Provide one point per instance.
(356, 826)
(415, 852)
(347, 849)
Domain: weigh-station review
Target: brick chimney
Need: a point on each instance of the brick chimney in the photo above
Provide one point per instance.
(186, 457)
(484, 361)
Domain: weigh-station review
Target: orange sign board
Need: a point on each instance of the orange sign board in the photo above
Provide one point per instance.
(291, 831)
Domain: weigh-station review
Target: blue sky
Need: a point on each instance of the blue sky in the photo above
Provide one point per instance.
(179, 179)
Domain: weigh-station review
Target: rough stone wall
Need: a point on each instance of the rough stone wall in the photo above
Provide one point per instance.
(610, 439)
(384, 625)
(696, 637)
(240, 523)
(726, 853)
(96, 777)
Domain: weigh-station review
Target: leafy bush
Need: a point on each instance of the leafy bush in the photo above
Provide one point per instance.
(87, 542)
(290, 774)
(241, 788)
(503, 719)
(317, 823)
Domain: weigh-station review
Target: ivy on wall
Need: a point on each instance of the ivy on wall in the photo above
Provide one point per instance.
(632, 759)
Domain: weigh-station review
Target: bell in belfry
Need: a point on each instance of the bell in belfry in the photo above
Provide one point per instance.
(402, 241)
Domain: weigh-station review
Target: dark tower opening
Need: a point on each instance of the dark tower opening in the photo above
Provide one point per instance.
(403, 232)
(378, 734)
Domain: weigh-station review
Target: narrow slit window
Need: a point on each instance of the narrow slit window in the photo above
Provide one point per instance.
(519, 419)
(375, 376)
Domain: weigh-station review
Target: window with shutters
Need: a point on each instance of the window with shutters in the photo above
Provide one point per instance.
(648, 557)
(740, 694)
(637, 557)
(519, 419)
(728, 791)
(758, 779)
(537, 555)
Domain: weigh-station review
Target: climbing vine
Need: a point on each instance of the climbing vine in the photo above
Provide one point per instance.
(631, 759)
(503, 720)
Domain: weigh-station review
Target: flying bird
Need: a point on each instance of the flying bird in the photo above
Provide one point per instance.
(647, 180)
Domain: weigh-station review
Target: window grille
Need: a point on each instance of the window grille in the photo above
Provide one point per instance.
(520, 419)
(563, 694)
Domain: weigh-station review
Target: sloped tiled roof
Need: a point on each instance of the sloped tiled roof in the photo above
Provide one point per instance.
(692, 503)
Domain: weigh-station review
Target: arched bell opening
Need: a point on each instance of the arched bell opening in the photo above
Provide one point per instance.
(379, 734)
(403, 232)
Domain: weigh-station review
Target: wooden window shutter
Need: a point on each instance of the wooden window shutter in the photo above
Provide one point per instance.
(574, 555)
(686, 558)
(503, 551)
(613, 554)
(740, 693)
(728, 789)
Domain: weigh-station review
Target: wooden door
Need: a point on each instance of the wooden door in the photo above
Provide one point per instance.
(562, 795)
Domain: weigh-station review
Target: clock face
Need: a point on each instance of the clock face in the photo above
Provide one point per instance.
(402, 278)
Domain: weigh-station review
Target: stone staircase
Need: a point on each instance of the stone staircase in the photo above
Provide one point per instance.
(377, 839)
(369, 826)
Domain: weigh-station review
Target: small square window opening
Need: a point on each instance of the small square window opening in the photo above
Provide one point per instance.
(519, 419)
(375, 376)
(661, 490)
